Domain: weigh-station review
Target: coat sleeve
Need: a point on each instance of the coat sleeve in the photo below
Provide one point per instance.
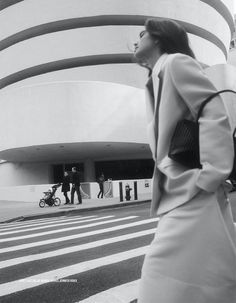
(215, 135)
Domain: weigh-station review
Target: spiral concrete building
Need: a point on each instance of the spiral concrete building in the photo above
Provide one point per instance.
(69, 90)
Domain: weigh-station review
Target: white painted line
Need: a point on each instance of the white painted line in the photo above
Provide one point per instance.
(49, 222)
(74, 221)
(124, 293)
(50, 232)
(77, 236)
(18, 223)
(60, 273)
(77, 248)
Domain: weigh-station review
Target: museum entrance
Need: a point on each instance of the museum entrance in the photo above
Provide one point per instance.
(58, 171)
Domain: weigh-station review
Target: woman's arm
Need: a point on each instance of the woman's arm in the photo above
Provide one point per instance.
(216, 142)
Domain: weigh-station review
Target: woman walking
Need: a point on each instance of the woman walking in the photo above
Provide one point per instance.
(66, 186)
(192, 258)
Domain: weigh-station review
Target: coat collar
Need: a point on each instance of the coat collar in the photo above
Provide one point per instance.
(157, 67)
(156, 71)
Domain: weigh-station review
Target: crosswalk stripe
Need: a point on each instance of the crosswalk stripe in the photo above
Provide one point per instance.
(10, 226)
(82, 235)
(120, 294)
(77, 248)
(45, 223)
(50, 232)
(60, 273)
(81, 220)
(19, 223)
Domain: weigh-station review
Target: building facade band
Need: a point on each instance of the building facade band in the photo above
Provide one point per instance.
(70, 92)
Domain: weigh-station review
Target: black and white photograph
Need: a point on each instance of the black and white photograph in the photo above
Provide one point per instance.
(118, 151)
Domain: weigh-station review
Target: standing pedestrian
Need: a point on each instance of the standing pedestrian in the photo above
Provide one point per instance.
(66, 186)
(75, 180)
(101, 181)
(192, 258)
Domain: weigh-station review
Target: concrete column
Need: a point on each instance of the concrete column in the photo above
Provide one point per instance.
(89, 171)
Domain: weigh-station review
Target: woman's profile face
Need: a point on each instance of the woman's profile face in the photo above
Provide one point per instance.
(145, 46)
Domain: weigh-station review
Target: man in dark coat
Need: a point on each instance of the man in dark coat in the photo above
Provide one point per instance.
(66, 186)
(101, 181)
(75, 180)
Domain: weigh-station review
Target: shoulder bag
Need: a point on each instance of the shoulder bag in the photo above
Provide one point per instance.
(184, 146)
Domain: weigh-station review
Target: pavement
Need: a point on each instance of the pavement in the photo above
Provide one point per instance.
(12, 211)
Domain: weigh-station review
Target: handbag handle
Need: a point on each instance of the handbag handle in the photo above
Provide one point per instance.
(210, 98)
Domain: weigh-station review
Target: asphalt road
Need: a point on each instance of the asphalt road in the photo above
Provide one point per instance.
(87, 258)
(70, 259)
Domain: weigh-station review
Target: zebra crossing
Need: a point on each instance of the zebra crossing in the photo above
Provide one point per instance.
(74, 259)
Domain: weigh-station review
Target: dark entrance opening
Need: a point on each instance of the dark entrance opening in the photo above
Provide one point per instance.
(58, 171)
(125, 169)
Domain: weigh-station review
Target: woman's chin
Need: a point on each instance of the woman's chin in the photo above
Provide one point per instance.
(138, 59)
(137, 56)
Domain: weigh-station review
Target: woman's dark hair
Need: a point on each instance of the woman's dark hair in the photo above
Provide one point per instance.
(171, 36)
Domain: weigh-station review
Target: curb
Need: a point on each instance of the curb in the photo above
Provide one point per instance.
(66, 212)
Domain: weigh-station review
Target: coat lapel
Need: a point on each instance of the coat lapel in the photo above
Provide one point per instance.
(153, 123)
(153, 112)
(150, 104)
(156, 114)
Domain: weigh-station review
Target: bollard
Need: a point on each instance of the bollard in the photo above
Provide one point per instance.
(135, 191)
(121, 191)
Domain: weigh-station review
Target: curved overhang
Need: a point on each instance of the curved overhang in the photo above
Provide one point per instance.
(76, 151)
(223, 10)
(66, 64)
(82, 61)
(6, 3)
(219, 6)
(103, 20)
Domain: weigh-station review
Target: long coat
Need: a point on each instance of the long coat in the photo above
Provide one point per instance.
(181, 94)
(193, 255)
(66, 184)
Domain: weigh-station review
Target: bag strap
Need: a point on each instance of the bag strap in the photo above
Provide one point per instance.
(210, 98)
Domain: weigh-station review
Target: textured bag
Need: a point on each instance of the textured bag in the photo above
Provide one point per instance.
(232, 175)
(184, 146)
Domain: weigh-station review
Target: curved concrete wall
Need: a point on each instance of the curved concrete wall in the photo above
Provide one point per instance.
(27, 14)
(68, 82)
(71, 112)
(232, 57)
(13, 174)
(36, 33)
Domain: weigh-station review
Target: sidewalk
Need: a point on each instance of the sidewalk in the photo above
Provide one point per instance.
(19, 211)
